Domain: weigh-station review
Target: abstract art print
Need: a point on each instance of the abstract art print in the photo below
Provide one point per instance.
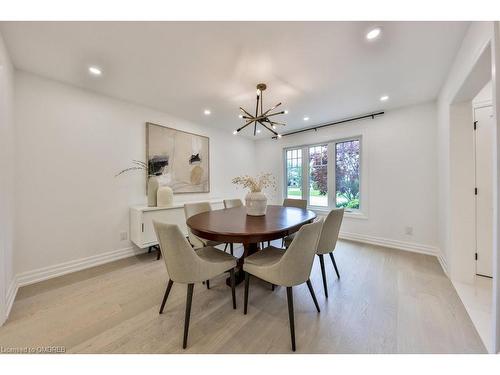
(179, 159)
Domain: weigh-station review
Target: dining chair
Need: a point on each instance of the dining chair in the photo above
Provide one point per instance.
(232, 203)
(328, 241)
(298, 203)
(187, 266)
(191, 209)
(286, 268)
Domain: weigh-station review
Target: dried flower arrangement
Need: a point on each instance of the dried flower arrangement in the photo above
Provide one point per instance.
(137, 165)
(256, 184)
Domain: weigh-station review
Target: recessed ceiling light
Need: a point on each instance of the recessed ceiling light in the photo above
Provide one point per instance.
(306, 118)
(258, 130)
(286, 111)
(373, 34)
(235, 132)
(95, 70)
(240, 116)
(279, 135)
(207, 112)
(384, 98)
(274, 127)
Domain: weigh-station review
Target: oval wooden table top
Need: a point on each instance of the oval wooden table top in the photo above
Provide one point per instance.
(234, 225)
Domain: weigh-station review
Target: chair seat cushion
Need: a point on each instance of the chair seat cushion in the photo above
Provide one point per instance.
(217, 258)
(260, 263)
(288, 239)
(265, 257)
(212, 243)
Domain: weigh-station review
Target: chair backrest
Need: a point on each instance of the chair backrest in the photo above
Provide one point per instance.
(183, 265)
(230, 203)
(295, 266)
(299, 203)
(191, 209)
(330, 232)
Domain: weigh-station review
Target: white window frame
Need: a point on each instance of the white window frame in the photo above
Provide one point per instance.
(353, 213)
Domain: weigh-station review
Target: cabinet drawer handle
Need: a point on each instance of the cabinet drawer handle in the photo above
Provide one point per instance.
(143, 227)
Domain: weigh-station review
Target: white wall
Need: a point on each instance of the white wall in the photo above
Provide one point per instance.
(6, 180)
(475, 42)
(70, 144)
(399, 179)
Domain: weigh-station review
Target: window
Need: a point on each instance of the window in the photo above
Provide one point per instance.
(294, 173)
(308, 175)
(318, 176)
(347, 174)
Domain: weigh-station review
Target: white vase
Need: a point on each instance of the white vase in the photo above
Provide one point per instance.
(256, 203)
(164, 196)
(153, 184)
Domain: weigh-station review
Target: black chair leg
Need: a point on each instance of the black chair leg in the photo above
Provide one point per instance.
(225, 247)
(247, 284)
(167, 292)
(311, 290)
(272, 287)
(233, 286)
(231, 248)
(208, 284)
(158, 254)
(335, 265)
(289, 295)
(323, 274)
(189, 299)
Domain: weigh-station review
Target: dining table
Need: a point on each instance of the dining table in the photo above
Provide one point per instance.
(233, 225)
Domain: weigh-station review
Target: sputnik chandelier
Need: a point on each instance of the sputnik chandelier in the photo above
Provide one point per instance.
(262, 118)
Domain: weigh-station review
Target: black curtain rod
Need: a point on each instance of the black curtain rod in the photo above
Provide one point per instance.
(315, 128)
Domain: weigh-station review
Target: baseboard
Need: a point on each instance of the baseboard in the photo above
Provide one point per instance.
(444, 265)
(11, 296)
(393, 244)
(50, 272)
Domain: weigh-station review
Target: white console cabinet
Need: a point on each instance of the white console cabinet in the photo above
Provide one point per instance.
(142, 232)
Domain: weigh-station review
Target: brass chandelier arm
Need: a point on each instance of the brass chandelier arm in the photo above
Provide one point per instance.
(268, 128)
(244, 126)
(256, 113)
(248, 114)
(271, 109)
(276, 123)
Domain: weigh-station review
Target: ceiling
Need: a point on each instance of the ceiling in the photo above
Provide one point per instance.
(324, 70)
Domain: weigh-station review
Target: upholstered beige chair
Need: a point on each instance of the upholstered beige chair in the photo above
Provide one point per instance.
(191, 209)
(328, 241)
(230, 203)
(286, 268)
(187, 266)
(298, 203)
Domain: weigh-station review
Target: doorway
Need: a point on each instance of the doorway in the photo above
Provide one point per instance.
(483, 145)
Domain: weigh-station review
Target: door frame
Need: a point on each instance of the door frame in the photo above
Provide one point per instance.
(475, 106)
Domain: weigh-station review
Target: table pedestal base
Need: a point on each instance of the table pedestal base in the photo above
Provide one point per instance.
(249, 249)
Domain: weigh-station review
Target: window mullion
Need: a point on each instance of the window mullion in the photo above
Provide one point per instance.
(305, 174)
(331, 175)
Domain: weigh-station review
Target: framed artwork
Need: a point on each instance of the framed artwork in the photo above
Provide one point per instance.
(179, 159)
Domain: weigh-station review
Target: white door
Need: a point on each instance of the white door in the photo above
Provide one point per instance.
(484, 138)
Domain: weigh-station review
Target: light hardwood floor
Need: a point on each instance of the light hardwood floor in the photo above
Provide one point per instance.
(387, 301)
